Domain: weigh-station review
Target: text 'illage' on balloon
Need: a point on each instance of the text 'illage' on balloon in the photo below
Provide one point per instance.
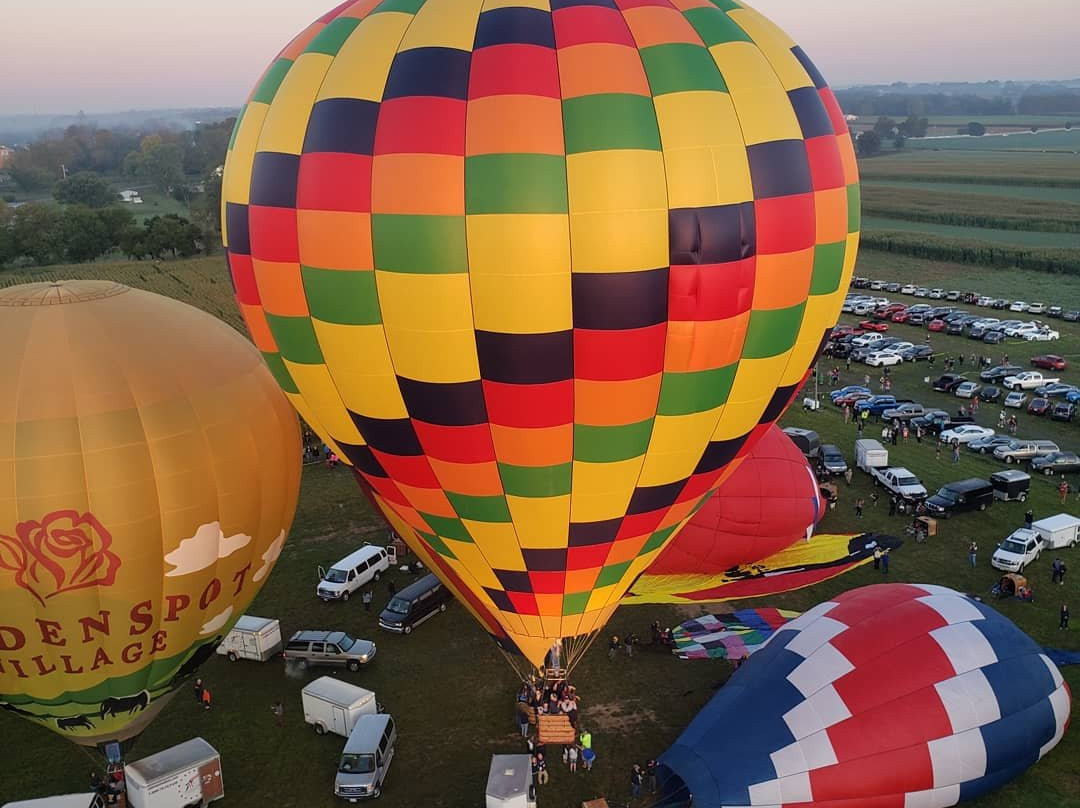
(539, 272)
(149, 472)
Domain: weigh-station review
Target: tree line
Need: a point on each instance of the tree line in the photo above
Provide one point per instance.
(1034, 101)
(88, 220)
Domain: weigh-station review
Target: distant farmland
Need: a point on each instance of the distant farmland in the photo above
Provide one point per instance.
(1055, 139)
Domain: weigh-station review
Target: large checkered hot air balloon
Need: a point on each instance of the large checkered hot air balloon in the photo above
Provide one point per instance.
(539, 271)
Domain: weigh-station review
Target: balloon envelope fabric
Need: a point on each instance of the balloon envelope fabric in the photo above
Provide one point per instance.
(149, 472)
(728, 636)
(539, 271)
(888, 695)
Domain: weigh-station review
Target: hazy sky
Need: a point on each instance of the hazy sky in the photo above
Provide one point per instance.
(107, 55)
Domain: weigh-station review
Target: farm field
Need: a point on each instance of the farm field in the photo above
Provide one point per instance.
(1025, 238)
(970, 209)
(1041, 193)
(1044, 139)
(982, 167)
(447, 686)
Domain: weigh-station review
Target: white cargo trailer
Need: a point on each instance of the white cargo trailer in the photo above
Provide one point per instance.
(257, 638)
(183, 775)
(1060, 530)
(331, 705)
(869, 454)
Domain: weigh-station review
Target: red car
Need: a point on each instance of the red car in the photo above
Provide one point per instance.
(851, 398)
(870, 325)
(844, 331)
(901, 316)
(936, 325)
(1039, 406)
(886, 312)
(1049, 362)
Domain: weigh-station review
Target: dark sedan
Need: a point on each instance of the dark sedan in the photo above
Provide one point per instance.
(990, 395)
(1063, 412)
(1056, 462)
(993, 338)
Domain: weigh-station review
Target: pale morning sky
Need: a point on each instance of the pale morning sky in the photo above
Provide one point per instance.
(108, 55)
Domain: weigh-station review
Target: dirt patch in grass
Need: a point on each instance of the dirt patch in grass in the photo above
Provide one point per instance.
(617, 716)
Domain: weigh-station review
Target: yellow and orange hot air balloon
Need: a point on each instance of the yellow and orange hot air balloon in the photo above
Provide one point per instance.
(540, 271)
(149, 472)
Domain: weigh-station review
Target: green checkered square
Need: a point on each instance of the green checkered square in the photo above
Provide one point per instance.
(714, 26)
(681, 67)
(419, 244)
(280, 372)
(268, 87)
(515, 183)
(828, 267)
(697, 391)
(536, 481)
(854, 208)
(346, 297)
(480, 509)
(296, 339)
(330, 39)
(610, 121)
(575, 602)
(438, 545)
(447, 527)
(657, 539)
(772, 331)
(610, 444)
(612, 574)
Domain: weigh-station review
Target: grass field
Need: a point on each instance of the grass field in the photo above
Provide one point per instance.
(980, 167)
(969, 209)
(1044, 140)
(447, 686)
(1023, 238)
(1039, 193)
(1024, 121)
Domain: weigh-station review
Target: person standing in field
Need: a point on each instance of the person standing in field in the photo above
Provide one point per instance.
(885, 562)
(973, 548)
(206, 698)
(1064, 621)
(198, 691)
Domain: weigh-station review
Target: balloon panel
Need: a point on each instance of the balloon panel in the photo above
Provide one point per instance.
(149, 472)
(540, 271)
(895, 694)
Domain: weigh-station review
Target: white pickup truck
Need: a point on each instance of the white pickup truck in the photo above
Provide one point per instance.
(1028, 380)
(899, 481)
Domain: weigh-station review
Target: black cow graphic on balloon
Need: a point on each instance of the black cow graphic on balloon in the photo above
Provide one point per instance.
(74, 722)
(202, 653)
(113, 705)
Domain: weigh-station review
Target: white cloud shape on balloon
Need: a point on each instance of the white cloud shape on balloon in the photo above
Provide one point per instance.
(204, 549)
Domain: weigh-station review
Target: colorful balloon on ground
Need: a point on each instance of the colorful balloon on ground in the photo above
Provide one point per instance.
(888, 695)
(541, 271)
(732, 635)
(769, 502)
(149, 471)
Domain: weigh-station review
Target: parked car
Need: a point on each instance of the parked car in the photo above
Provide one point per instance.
(973, 494)
(1056, 462)
(1038, 406)
(1036, 308)
(984, 301)
(1054, 311)
(1071, 316)
(907, 289)
(965, 433)
(1063, 411)
(1017, 551)
(922, 291)
(1055, 390)
(873, 325)
(1017, 451)
(1000, 303)
(866, 340)
(990, 394)
(967, 389)
(351, 573)
(988, 444)
(936, 326)
(937, 294)
(904, 412)
(899, 481)
(1015, 400)
(892, 286)
(832, 460)
(999, 372)
(414, 604)
(365, 760)
(898, 347)
(847, 390)
(947, 382)
(1028, 380)
(851, 399)
(883, 359)
(1049, 362)
(917, 353)
(953, 294)
(878, 404)
(306, 648)
(993, 338)
(1018, 305)
(1042, 334)
(901, 316)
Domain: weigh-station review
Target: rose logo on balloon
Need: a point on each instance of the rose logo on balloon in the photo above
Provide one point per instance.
(66, 550)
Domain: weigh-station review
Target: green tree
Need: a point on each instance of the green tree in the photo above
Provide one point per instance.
(84, 235)
(7, 234)
(976, 129)
(29, 176)
(898, 141)
(868, 144)
(884, 127)
(171, 236)
(84, 188)
(158, 162)
(914, 126)
(117, 221)
(38, 232)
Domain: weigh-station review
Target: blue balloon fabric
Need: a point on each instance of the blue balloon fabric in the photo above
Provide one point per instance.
(888, 695)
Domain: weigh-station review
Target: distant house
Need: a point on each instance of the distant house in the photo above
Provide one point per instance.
(131, 197)
(851, 118)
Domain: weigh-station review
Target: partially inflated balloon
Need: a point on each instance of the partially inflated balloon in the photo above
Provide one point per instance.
(149, 472)
(540, 271)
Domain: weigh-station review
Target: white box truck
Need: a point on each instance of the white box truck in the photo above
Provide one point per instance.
(331, 705)
(86, 800)
(869, 454)
(178, 777)
(257, 638)
(1060, 530)
(510, 782)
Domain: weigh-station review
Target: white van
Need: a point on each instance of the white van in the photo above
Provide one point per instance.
(510, 782)
(178, 777)
(365, 760)
(355, 570)
(1058, 531)
(1021, 548)
(257, 638)
(331, 705)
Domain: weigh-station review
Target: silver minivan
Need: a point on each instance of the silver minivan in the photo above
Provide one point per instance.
(366, 758)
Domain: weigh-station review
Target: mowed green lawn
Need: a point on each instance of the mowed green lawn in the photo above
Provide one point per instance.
(982, 167)
(1038, 193)
(1048, 139)
(952, 232)
(450, 690)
